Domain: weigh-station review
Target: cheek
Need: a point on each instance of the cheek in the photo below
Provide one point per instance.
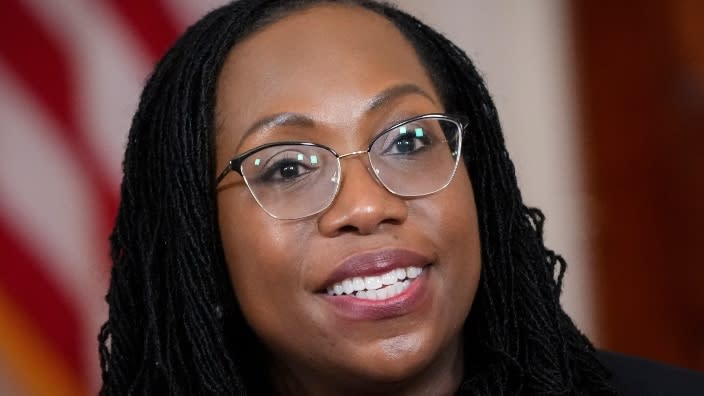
(454, 216)
(263, 256)
(462, 220)
(457, 236)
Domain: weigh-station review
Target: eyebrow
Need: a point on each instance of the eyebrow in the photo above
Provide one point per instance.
(380, 100)
(394, 92)
(278, 120)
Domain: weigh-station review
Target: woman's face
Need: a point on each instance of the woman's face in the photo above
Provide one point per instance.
(351, 73)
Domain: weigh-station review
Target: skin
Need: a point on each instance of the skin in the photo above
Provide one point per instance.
(327, 63)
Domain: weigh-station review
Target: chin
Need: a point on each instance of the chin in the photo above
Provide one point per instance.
(402, 359)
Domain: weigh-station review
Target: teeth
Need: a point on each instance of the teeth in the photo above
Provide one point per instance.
(358, 283)
(378, 287)
(385, 292)
(413, 272)
(401, 273)
(381, 293)
(389, 278)
(347, 286)
(372, 282)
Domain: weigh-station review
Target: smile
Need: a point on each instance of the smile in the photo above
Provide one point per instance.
(379, 287)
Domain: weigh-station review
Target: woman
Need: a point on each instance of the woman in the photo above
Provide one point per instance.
(296, 219)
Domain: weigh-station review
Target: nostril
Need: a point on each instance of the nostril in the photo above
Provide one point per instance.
(347, 229)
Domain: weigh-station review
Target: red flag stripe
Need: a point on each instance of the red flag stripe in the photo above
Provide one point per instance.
(37, 60)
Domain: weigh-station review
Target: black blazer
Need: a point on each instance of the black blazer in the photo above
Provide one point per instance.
(639, 377)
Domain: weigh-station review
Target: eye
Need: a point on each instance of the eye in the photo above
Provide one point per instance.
(283, 170)
(405, 140)
(283, 166)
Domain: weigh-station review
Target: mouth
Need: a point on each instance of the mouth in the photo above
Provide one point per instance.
(377, 287)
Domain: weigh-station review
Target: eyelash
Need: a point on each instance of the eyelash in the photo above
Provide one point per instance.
(270, 173)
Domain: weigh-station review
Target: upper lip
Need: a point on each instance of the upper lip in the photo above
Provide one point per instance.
(375, 263)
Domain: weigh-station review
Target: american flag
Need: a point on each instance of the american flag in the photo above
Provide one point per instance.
(70, 76)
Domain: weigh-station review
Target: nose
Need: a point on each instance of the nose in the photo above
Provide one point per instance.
(362, 205)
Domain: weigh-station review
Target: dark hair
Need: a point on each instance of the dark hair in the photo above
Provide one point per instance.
(174, 325)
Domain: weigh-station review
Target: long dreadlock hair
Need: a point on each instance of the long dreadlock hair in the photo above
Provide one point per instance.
(174, 326)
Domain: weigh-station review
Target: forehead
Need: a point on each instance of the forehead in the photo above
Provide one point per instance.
(325, 62)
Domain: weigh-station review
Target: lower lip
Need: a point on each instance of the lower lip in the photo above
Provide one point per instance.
(412, 298)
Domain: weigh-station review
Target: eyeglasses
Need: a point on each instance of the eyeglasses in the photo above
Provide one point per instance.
(293, 180)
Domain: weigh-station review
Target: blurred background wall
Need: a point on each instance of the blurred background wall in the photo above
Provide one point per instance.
(602, 107)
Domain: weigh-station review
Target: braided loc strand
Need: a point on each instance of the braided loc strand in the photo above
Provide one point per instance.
(164, 330)
(174, 326)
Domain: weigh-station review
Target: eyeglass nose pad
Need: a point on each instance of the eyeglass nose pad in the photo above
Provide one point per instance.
(374, 172)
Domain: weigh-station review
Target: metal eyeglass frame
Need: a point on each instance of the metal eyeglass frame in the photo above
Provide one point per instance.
(235, 164)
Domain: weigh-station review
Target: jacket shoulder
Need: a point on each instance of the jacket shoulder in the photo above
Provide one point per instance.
(635, 376)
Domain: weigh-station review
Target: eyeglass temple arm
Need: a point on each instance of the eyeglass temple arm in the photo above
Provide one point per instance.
(224, 173)
(464, 122)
